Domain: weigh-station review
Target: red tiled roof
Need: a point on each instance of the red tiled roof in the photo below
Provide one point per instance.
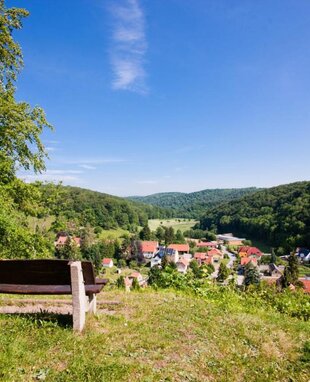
(185, 262)
(213, 252)
(253, 251)
(246, 260)
(243, 249)
(106, 261)
(200, 256)
(61, 239)
(180, 247)
(148, 246)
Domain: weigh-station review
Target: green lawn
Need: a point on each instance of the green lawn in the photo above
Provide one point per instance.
(181, 224)
(157, 336)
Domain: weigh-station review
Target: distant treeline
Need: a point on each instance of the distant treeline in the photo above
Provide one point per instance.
(279, 216)
(194, 204)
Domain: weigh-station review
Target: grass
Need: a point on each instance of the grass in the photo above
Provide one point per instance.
(112, 275)
(156, 336)
(181, 224)
(113, 234)
(303, 270)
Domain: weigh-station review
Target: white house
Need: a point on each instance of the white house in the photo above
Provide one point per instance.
(148, 248)
(107, 263)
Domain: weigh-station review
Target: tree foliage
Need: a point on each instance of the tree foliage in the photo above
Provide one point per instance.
(279, 216)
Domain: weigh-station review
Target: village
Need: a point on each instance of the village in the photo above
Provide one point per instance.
(227, 250)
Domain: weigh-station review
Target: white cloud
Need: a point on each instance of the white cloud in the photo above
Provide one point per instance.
(50, 149)
(129, 47)
(87, 167)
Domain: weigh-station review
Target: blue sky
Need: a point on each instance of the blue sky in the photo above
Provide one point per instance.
(170, 95)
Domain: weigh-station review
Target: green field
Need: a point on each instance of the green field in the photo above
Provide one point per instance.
(113, 234)
(156, 336)
(181, 224)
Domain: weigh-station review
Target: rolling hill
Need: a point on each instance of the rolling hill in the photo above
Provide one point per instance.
(194, 204)
(279, 216)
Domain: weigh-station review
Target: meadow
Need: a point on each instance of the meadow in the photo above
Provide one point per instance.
(156, 336)
(175, 223)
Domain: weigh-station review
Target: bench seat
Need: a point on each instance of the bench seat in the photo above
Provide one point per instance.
(47, 289)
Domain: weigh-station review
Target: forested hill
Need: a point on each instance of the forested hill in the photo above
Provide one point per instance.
(99, 209)
(279, 216)
(193, 204)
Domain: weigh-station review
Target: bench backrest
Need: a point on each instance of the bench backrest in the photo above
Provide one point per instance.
(42, 272)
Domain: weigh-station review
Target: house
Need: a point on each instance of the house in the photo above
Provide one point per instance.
(148, 248)
(181, 248)
(254, 252)
(107, 263)
(205, 244)
(203, 258)
(216, 254)
(62, 239)
(182, 265)
(155, 261)
(137, 275)
(247, 251)
(246, 260)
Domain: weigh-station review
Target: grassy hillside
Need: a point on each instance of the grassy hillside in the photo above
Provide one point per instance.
(279, 216)
(177, 224)
(192, 205)
(157, 336)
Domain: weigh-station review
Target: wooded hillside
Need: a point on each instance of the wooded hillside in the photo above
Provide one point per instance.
(278, 215)
(193, 205)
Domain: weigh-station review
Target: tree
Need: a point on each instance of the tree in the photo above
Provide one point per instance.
(145, 233)
(179, 238)
(197, 271)
(273, 257)
(120, 282)
(251, 275)
(69, 251)
(20, 124)
(223, 273)
(169, 235)
(20, 147)
(291, 272)
(160, 234)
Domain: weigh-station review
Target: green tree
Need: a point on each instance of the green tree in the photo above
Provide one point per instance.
(251, 275)
(223, 273)
(291, 272)
(160, 234)
(69, 251)
(179, 238)
(120, 282)
(145, 233)
(169, 235)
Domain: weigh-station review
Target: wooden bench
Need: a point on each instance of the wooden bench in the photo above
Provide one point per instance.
(54, 277)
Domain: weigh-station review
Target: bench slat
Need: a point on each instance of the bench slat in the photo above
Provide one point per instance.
(46, 289)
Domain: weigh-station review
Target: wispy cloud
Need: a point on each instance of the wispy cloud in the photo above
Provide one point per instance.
(87, 167)
(129, 47)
